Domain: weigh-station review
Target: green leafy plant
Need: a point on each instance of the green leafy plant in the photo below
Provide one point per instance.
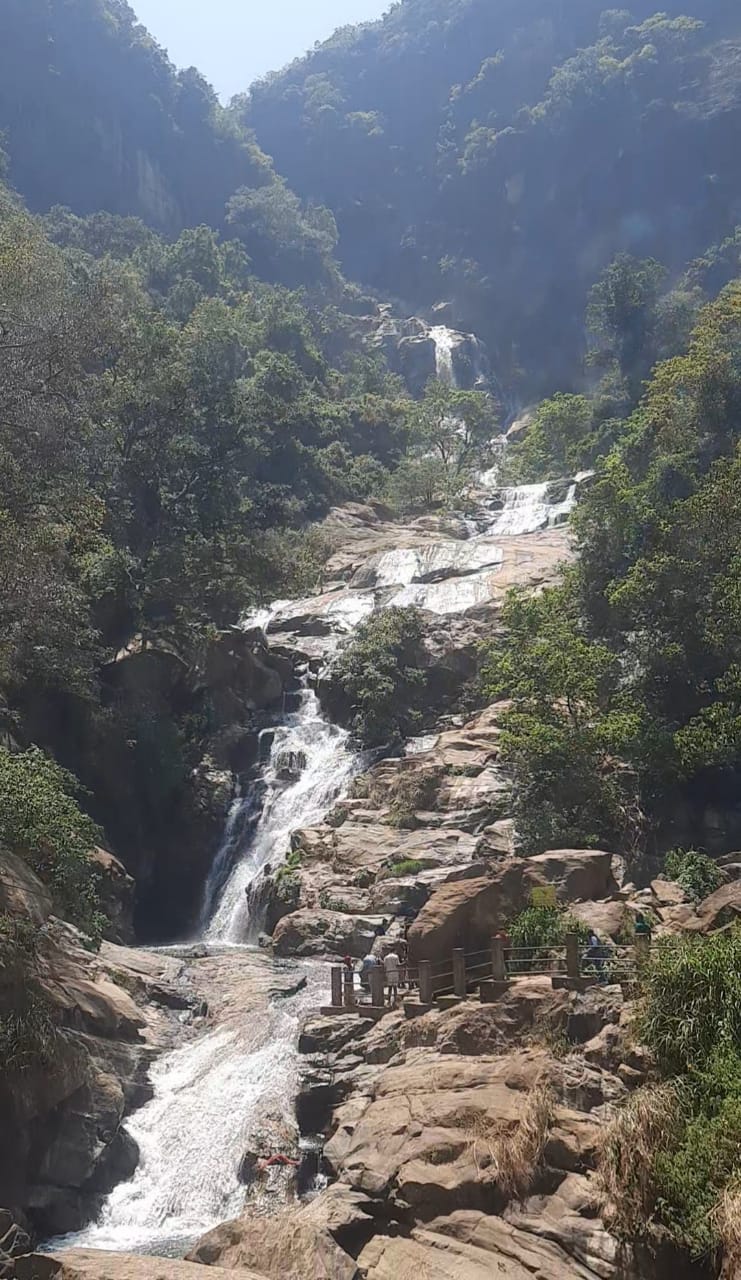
(378, 676)
(672, 1153)
(42, 822)
(695, 872)
(404, 867)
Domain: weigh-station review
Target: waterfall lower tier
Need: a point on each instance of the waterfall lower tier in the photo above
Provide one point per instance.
(325, 766)
(210, 1096)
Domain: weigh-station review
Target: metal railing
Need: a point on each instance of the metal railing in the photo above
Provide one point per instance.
(499, 963)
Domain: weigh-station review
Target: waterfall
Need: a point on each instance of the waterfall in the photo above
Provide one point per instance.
(445, 341)
(209, 1096)
(527, 509)
(288, 806)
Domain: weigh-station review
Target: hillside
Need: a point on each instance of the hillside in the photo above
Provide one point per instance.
(500, 154)
(370, 603)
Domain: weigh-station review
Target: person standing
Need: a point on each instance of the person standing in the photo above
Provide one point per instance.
(392, 966)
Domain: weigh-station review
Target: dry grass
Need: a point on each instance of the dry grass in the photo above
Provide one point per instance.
(637, 1131)
(511, 1159)
(726, 1219)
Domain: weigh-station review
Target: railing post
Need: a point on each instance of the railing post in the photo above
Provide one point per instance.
(642, 948)
(336, 987)
(498, 967)
(376, 986)
(459, 972)
(425, 982)
(572, 955)
(349, 989)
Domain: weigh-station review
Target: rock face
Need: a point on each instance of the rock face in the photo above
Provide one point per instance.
(462, 1147)
(295, 1244)
(94, 1264)
(63, 1145)
(167, 841)
(430, 563)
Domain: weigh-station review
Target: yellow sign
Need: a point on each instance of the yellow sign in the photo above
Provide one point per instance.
(544, 896)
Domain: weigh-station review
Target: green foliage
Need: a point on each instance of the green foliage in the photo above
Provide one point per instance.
(440, 137)
(692, 1004)
(544, 927)
(379, 678)
(448, 432)
(42, 823)
(29, 1037)
(568, 725)
(690, 1020)
(404, 867)
(695, 872)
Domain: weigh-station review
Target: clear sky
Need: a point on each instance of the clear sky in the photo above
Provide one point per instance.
(234, 41)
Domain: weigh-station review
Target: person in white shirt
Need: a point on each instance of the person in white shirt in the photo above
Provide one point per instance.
(392, 965)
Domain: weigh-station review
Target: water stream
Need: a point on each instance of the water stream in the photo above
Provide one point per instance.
(209, 1097)
(211, 1093)
(324, 764)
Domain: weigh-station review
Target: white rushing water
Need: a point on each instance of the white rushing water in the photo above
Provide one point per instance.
(527, 509)
(445, 341)
(209, 1096)
(326, 765)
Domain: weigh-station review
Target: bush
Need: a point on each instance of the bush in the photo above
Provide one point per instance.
(413, 791)
(42, 823)
(695, 872)
(673, 1153)
(379, 676)
(544, 927)
(692, 1000)
(28, 1034)
(405, 867)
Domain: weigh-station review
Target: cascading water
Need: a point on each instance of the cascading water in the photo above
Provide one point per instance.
(327, 766)
(527, 509)
(212, 1093)
(208, 1097)
(444, 340)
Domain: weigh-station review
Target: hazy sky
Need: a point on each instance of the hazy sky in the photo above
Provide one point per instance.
(234, 41)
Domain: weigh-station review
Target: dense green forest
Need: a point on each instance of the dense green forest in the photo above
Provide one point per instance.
(501, 154)
(168, 426)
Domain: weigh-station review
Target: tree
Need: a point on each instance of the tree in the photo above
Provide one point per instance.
(378, 677)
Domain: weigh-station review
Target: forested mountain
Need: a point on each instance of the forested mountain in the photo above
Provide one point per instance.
(500, 154)
(93, 116)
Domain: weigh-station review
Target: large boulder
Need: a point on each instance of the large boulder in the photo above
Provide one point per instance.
(580, 875)
(94, 1264)
(294, 1245)
(719, 909)
(313, 933)
(467, 912)
(116, 889)
(21, 892)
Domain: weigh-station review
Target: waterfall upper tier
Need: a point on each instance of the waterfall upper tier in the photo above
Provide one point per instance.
(446, 566)
(419, 351)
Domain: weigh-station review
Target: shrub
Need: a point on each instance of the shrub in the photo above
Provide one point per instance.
(42, 823)
(405, 867)
(379, 676)
(413, 791)
(673, 1153)
(695, 872)
(692, 1000)
(544, 927)
(28, 1034)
